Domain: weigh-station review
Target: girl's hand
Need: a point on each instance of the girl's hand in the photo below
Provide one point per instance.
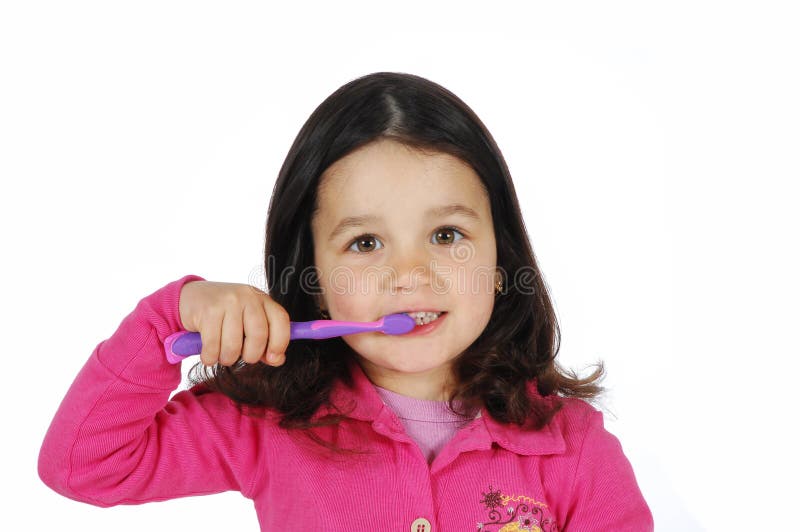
(235, 320)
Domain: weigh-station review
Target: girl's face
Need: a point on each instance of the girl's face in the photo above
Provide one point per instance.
(402, 255)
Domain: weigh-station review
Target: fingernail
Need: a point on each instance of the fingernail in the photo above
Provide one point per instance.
(272, 357)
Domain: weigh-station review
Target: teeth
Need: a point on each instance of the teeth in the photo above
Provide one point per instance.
(424, 317)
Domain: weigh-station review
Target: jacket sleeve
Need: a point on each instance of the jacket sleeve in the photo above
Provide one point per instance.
(117, 437)
(605, 494)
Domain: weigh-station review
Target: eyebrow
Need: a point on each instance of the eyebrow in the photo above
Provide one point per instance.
(445, 210)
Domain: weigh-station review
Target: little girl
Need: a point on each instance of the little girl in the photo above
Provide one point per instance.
(394, 198)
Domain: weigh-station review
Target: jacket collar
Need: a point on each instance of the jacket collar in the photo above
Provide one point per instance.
(361, 401)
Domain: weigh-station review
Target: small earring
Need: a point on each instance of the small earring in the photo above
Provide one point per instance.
(498, 287)
(324, 314)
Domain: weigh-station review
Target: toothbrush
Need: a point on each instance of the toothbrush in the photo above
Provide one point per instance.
(182, 344)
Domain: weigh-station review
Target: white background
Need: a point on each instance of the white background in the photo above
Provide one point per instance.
(654, 147)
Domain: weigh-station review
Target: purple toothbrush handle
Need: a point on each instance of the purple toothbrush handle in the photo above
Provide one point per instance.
(182, 344)
(322, 329)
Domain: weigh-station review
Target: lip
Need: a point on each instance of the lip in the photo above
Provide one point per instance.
(428, 328)
(416, 310)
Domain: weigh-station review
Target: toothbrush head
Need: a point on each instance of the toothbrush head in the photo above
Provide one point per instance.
(397, 324)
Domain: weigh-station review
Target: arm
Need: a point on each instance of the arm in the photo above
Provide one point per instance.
(117, 438)
(605, 494)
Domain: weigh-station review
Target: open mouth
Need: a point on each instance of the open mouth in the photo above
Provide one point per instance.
(423, 318)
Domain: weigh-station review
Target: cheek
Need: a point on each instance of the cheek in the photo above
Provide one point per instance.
(351, 294)
(340, 291)
(343, 307)
(477, 309)
(473, 280)
(476, 295)
(349, 306)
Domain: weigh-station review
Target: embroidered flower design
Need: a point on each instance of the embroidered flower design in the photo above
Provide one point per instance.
(526, 514)
(491, 499)
(527, 522)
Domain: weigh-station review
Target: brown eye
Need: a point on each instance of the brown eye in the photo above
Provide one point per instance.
(364, 244)
(445, 232)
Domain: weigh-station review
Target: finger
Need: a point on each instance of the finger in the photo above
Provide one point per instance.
(232, 337)
(255, 334)
(279, 331)
(210, 333)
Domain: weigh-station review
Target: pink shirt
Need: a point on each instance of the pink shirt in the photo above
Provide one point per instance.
(431, 424)
(118, 438)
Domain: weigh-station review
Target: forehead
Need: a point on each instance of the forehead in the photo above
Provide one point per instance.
(386, 175)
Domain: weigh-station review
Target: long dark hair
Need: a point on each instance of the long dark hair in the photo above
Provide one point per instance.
(522, 337)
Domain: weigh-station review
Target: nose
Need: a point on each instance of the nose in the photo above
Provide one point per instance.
(411, 269)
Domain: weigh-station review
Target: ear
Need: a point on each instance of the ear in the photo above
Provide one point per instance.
(498, 276)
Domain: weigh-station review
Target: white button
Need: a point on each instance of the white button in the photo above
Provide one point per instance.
(421, 525)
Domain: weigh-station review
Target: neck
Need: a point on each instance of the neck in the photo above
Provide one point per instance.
(431, 385)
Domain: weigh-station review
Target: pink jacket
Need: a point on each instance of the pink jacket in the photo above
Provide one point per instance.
(118, 438)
